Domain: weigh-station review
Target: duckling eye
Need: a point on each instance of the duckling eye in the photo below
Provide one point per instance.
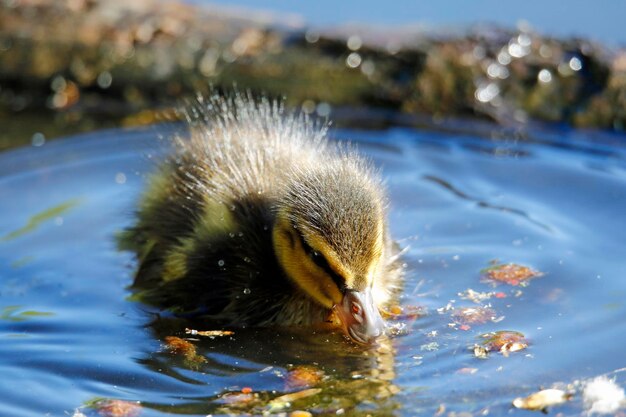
(319, 260)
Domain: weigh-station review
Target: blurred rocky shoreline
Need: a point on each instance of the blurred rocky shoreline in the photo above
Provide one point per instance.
(76, 65)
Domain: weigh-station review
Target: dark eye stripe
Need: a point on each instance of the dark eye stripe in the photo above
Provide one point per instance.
(321, 261)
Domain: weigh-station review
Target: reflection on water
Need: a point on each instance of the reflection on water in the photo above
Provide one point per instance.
(484, 204)
(52, 213)
(71, 336)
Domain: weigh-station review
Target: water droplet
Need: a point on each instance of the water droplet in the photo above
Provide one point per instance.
(246, 259)
(545, 51)
(486, 93)
(247, 291)
(368, 67)
(120, 178)
(220, 262)
(58, 83)
(523, 39)
(575, 63)
(105, 79)
(544, 76)
(518, 51)
(504, 58)
(353, 60)
(38, 139)
(495, 70)
(354, 43)
(231, 235)
(240, 234)
(312, 36)
(308, 106)
(479, 52)
(323, 109)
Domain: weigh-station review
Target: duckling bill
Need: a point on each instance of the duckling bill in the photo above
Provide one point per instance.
(256, 219)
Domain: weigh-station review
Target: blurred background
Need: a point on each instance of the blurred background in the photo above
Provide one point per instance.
(578, 19)
(68, 66)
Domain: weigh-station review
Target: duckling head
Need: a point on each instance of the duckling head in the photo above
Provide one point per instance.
(329, 238)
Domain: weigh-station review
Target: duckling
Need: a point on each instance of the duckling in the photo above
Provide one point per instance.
(257, 219)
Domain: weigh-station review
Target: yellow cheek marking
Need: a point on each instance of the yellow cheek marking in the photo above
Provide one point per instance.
(308, 276)
(331, 257)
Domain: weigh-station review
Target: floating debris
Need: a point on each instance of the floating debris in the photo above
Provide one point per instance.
(117, 408)
(179, 346)
(466, 371)
(396, 329)
(430, 347)
(209, 333)
(540, 401)
(603, 396)
(480, 352)
(183, 347)
(476, 296)
(396, 312)
(238, 399)
(504, 341)
(284, 401)
(473, 315)
(512, 274)
(303, 377)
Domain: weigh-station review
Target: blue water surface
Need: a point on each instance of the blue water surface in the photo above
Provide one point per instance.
(71, 335)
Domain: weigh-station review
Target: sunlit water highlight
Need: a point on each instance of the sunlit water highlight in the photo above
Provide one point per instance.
(70, 334)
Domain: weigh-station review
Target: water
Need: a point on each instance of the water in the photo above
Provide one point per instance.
(70, 335)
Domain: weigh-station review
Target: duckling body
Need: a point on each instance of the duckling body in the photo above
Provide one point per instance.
(257, 219)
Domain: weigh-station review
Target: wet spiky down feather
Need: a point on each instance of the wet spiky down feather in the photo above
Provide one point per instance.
(203, 233)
